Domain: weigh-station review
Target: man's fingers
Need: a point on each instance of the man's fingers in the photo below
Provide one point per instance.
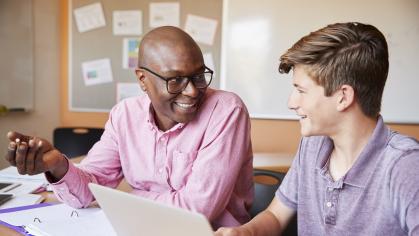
(11, 153)
(40, 165)
(30, 157)
(21, 152)
(12, 136)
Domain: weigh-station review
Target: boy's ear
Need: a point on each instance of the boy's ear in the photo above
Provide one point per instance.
(140, 76)
(346, 97)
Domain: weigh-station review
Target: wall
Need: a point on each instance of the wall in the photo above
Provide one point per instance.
(45, 116)
(267, 135)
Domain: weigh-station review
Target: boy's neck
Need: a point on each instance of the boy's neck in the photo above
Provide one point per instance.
(349, 143)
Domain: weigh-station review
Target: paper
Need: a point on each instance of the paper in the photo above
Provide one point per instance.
(130, 53)
(61, 220)
(201, 29)
(28, 183)
(89, 17)
(127, 23)
(76, 226)
(97, 72)
(209, 62)
(126, 90)
(22, 200)
(166, 13)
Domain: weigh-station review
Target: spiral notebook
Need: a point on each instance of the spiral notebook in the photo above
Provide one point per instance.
(58, 219)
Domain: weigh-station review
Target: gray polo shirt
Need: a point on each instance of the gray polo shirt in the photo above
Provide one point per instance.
(379, 195)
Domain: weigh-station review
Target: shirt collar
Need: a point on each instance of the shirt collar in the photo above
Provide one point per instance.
(152, 122)
(363, 168)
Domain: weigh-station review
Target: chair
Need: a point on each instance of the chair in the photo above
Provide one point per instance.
(75, 141)
(266, 184)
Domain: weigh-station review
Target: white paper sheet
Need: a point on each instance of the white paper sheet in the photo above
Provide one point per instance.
(97, 72)
(127, 23)
(126, 90)
(28, 183)
(201, 29)
(60, 220)
(89, 17)
(166, 13)
(22, 200)
(130, 53)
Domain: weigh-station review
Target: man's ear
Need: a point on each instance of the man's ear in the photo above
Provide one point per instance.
(345, 97)
(140, 76)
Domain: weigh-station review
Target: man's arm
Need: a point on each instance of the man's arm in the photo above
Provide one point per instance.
(101, 166)
(269, 222)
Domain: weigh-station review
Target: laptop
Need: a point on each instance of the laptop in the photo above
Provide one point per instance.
(132, 215)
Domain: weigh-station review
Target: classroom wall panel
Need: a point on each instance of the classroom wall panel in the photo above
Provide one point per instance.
(268, 135)
(256, 33)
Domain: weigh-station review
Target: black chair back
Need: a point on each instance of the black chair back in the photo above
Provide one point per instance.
(265, 192)
(76, 141)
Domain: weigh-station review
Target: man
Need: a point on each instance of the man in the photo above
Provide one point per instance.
(352, 175)
(182, 144)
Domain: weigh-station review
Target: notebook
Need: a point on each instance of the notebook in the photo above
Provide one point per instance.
(132, 215)
(56, 220)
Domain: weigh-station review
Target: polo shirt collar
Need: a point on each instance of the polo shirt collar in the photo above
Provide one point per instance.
(360, 173)
(364, 166)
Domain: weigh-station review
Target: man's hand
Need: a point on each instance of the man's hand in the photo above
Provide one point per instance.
(237, 231)
(32, 155)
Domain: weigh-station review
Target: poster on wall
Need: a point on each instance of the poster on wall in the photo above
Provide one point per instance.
(89, 17)
(166, 13)
(127, 23)
(126, 90)
(97, 72)
(130, 53)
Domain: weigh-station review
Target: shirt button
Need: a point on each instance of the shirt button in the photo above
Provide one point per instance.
(160, 170)
(329, 204)
(330, 189)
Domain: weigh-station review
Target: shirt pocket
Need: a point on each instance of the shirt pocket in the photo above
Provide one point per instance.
(181, 168)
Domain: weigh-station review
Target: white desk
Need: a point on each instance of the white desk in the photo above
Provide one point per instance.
(272, 161)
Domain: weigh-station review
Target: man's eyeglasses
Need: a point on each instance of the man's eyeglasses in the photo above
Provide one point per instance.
(177, 84)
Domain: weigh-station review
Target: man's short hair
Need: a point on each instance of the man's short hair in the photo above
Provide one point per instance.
(355, 54)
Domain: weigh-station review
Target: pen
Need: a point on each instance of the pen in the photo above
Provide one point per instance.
(13, 187)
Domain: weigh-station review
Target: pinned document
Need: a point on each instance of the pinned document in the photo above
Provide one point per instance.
(97, 71)
(127, 23)
(201, 29)
(166, 13)
(89, 17)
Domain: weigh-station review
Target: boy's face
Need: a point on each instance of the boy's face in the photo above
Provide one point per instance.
(318, 113)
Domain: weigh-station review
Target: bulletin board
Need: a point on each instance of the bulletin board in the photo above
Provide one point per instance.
(256, 33)
(102, 43)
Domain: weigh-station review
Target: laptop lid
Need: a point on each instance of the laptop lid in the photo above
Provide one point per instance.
(133, 215)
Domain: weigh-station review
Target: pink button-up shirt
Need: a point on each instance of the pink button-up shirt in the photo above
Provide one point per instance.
(204, 165)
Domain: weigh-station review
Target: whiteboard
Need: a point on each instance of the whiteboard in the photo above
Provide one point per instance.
(256, 33)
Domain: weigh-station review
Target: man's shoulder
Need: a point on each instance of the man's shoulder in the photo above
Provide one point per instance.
(136, 102)
(224, 98)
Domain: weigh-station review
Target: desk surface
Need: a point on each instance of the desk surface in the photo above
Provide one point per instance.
(271, 161)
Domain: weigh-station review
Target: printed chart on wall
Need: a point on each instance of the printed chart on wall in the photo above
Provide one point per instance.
(104, 38)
